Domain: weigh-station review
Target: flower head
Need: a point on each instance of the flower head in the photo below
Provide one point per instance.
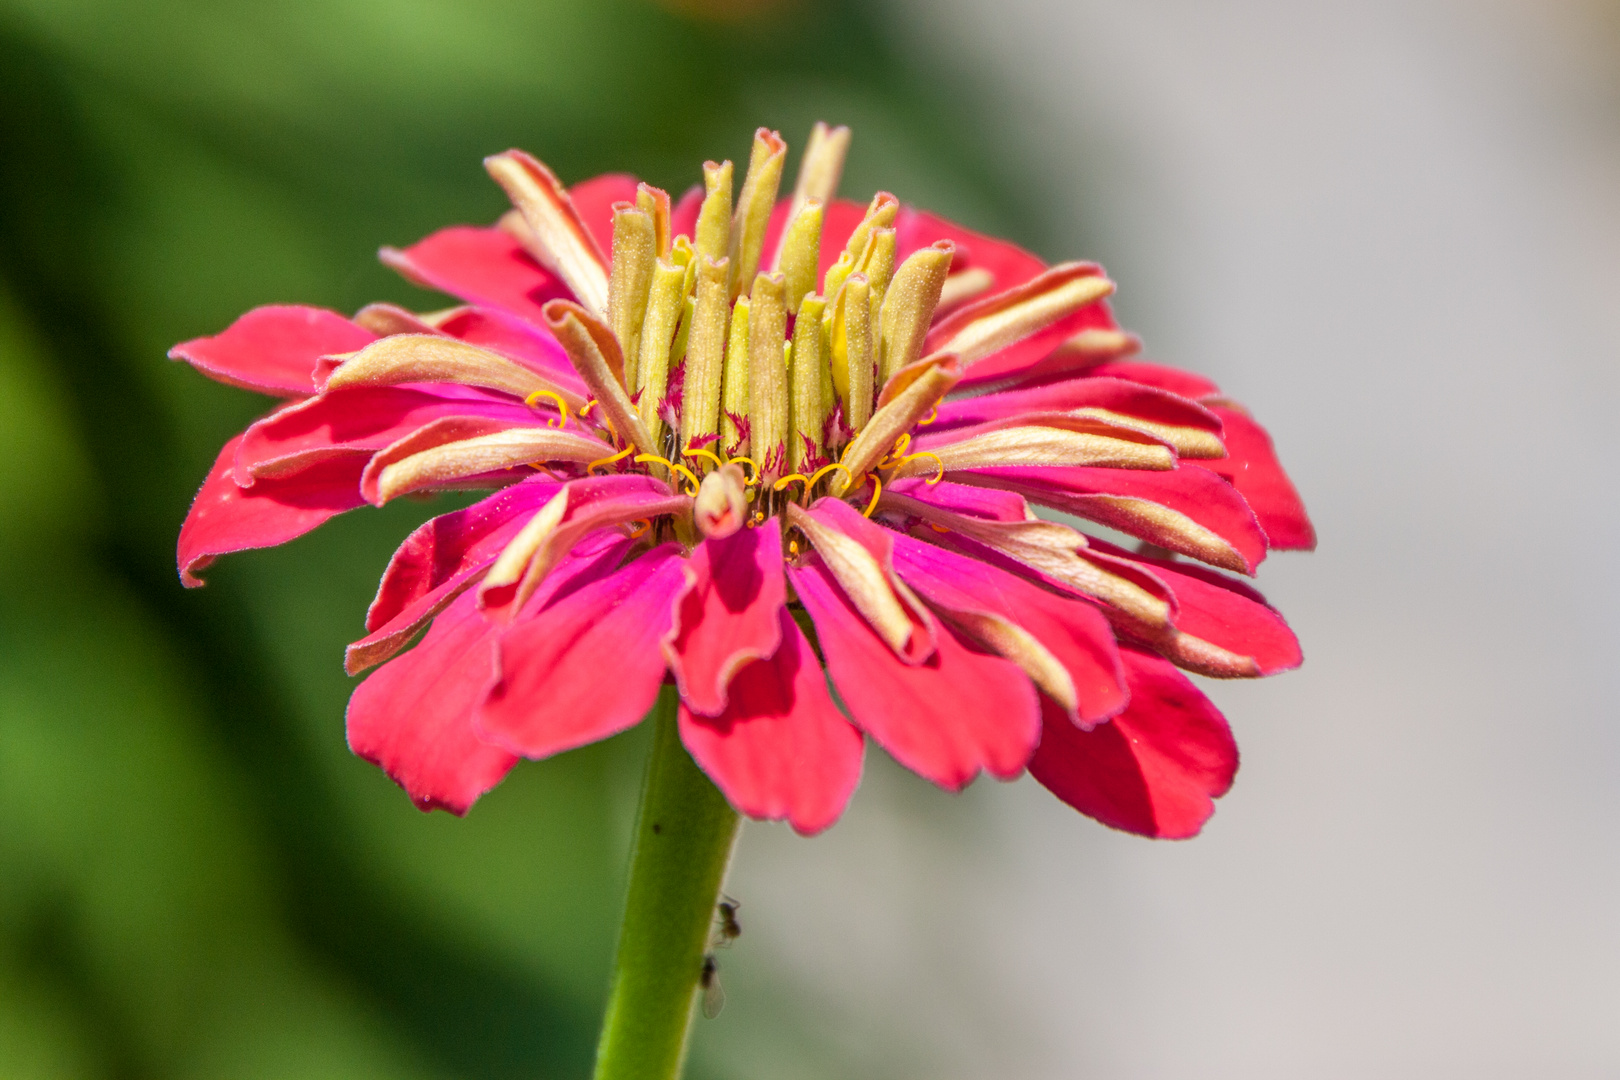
(745, 444)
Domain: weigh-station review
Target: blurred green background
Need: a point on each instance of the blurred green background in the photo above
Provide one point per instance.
(196, 878)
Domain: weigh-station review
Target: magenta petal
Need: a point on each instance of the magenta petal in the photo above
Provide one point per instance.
(1116, 395)
(436, 563)
(481, 266)
(781, 749)
(1224, 612)
(587, 665)
(1008, 264)
(1172, 379)
(226, 518)
(273, 349)
(594, 199)
(358, 422)
(1152, 770)
(989, 503)
(452, 543)
(1194, 493)
(1074, 632)
(946, 718)
(728, 615)
(533, 346)
(413, 716)
(1252, 467)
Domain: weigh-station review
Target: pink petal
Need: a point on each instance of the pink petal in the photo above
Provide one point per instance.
(879, 542)
(1025, 359)
(1252, 467)
(273, 349)
(413, 716)
(727, 617)
(355, 423)
(587, 665)
(594, 502)
(452, 543)
(959, 711)
(1152, 770)
(781, 749)
(436, 563)
(1194, 494)
(1224, 612)
(1172, 379)
(1008, 264)
(226, 518)
(684, 214)
(984, 502)
(485, 266)
(1116, 395)
(594, 199)
(533, 346)
(1073, 631)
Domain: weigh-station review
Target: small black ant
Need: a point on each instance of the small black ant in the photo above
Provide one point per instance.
(726, 914)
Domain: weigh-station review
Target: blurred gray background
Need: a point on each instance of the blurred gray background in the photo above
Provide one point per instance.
(1393, 229)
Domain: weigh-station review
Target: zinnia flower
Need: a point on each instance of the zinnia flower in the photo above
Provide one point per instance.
(763, 445)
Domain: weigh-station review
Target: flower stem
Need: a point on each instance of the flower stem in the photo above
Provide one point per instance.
(684, 836)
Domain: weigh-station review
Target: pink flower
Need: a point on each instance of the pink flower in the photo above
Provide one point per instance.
(764, 444)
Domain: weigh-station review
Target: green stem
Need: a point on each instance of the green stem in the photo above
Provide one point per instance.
(684, 835)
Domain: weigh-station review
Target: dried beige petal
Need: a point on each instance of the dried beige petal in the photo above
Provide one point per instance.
(557, 237)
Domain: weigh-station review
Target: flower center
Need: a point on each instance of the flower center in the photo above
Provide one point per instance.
(732, 353)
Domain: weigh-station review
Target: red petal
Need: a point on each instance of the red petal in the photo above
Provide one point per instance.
(481, 266)
(436, 562)
(587, 665)
(728, 615)
(355, 423)
(838, 222)
(946, 718)
(533, 346)
(1074, 632)
(683, 217)
(273, 349)
(226, 518)
(1152, 770)
(594, 199)
(1008, 264)
(1224, 612)
(983, 502)
(781, 749)
(1252, 467)
(1195, 494)
(413, 716)
(1172, 379)
(1116, 395)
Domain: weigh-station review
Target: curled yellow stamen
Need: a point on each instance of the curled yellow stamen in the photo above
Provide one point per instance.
(586, 411)
(938, 528)
(790, 478)
(620, 456)
(757, 519)
(900, 446)
(673, 467)
(931, 417)
(753, 470)
(938, 464)
(700, 452)
(877, 493)
(825, 469)
(646, 527)
(562, 406)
